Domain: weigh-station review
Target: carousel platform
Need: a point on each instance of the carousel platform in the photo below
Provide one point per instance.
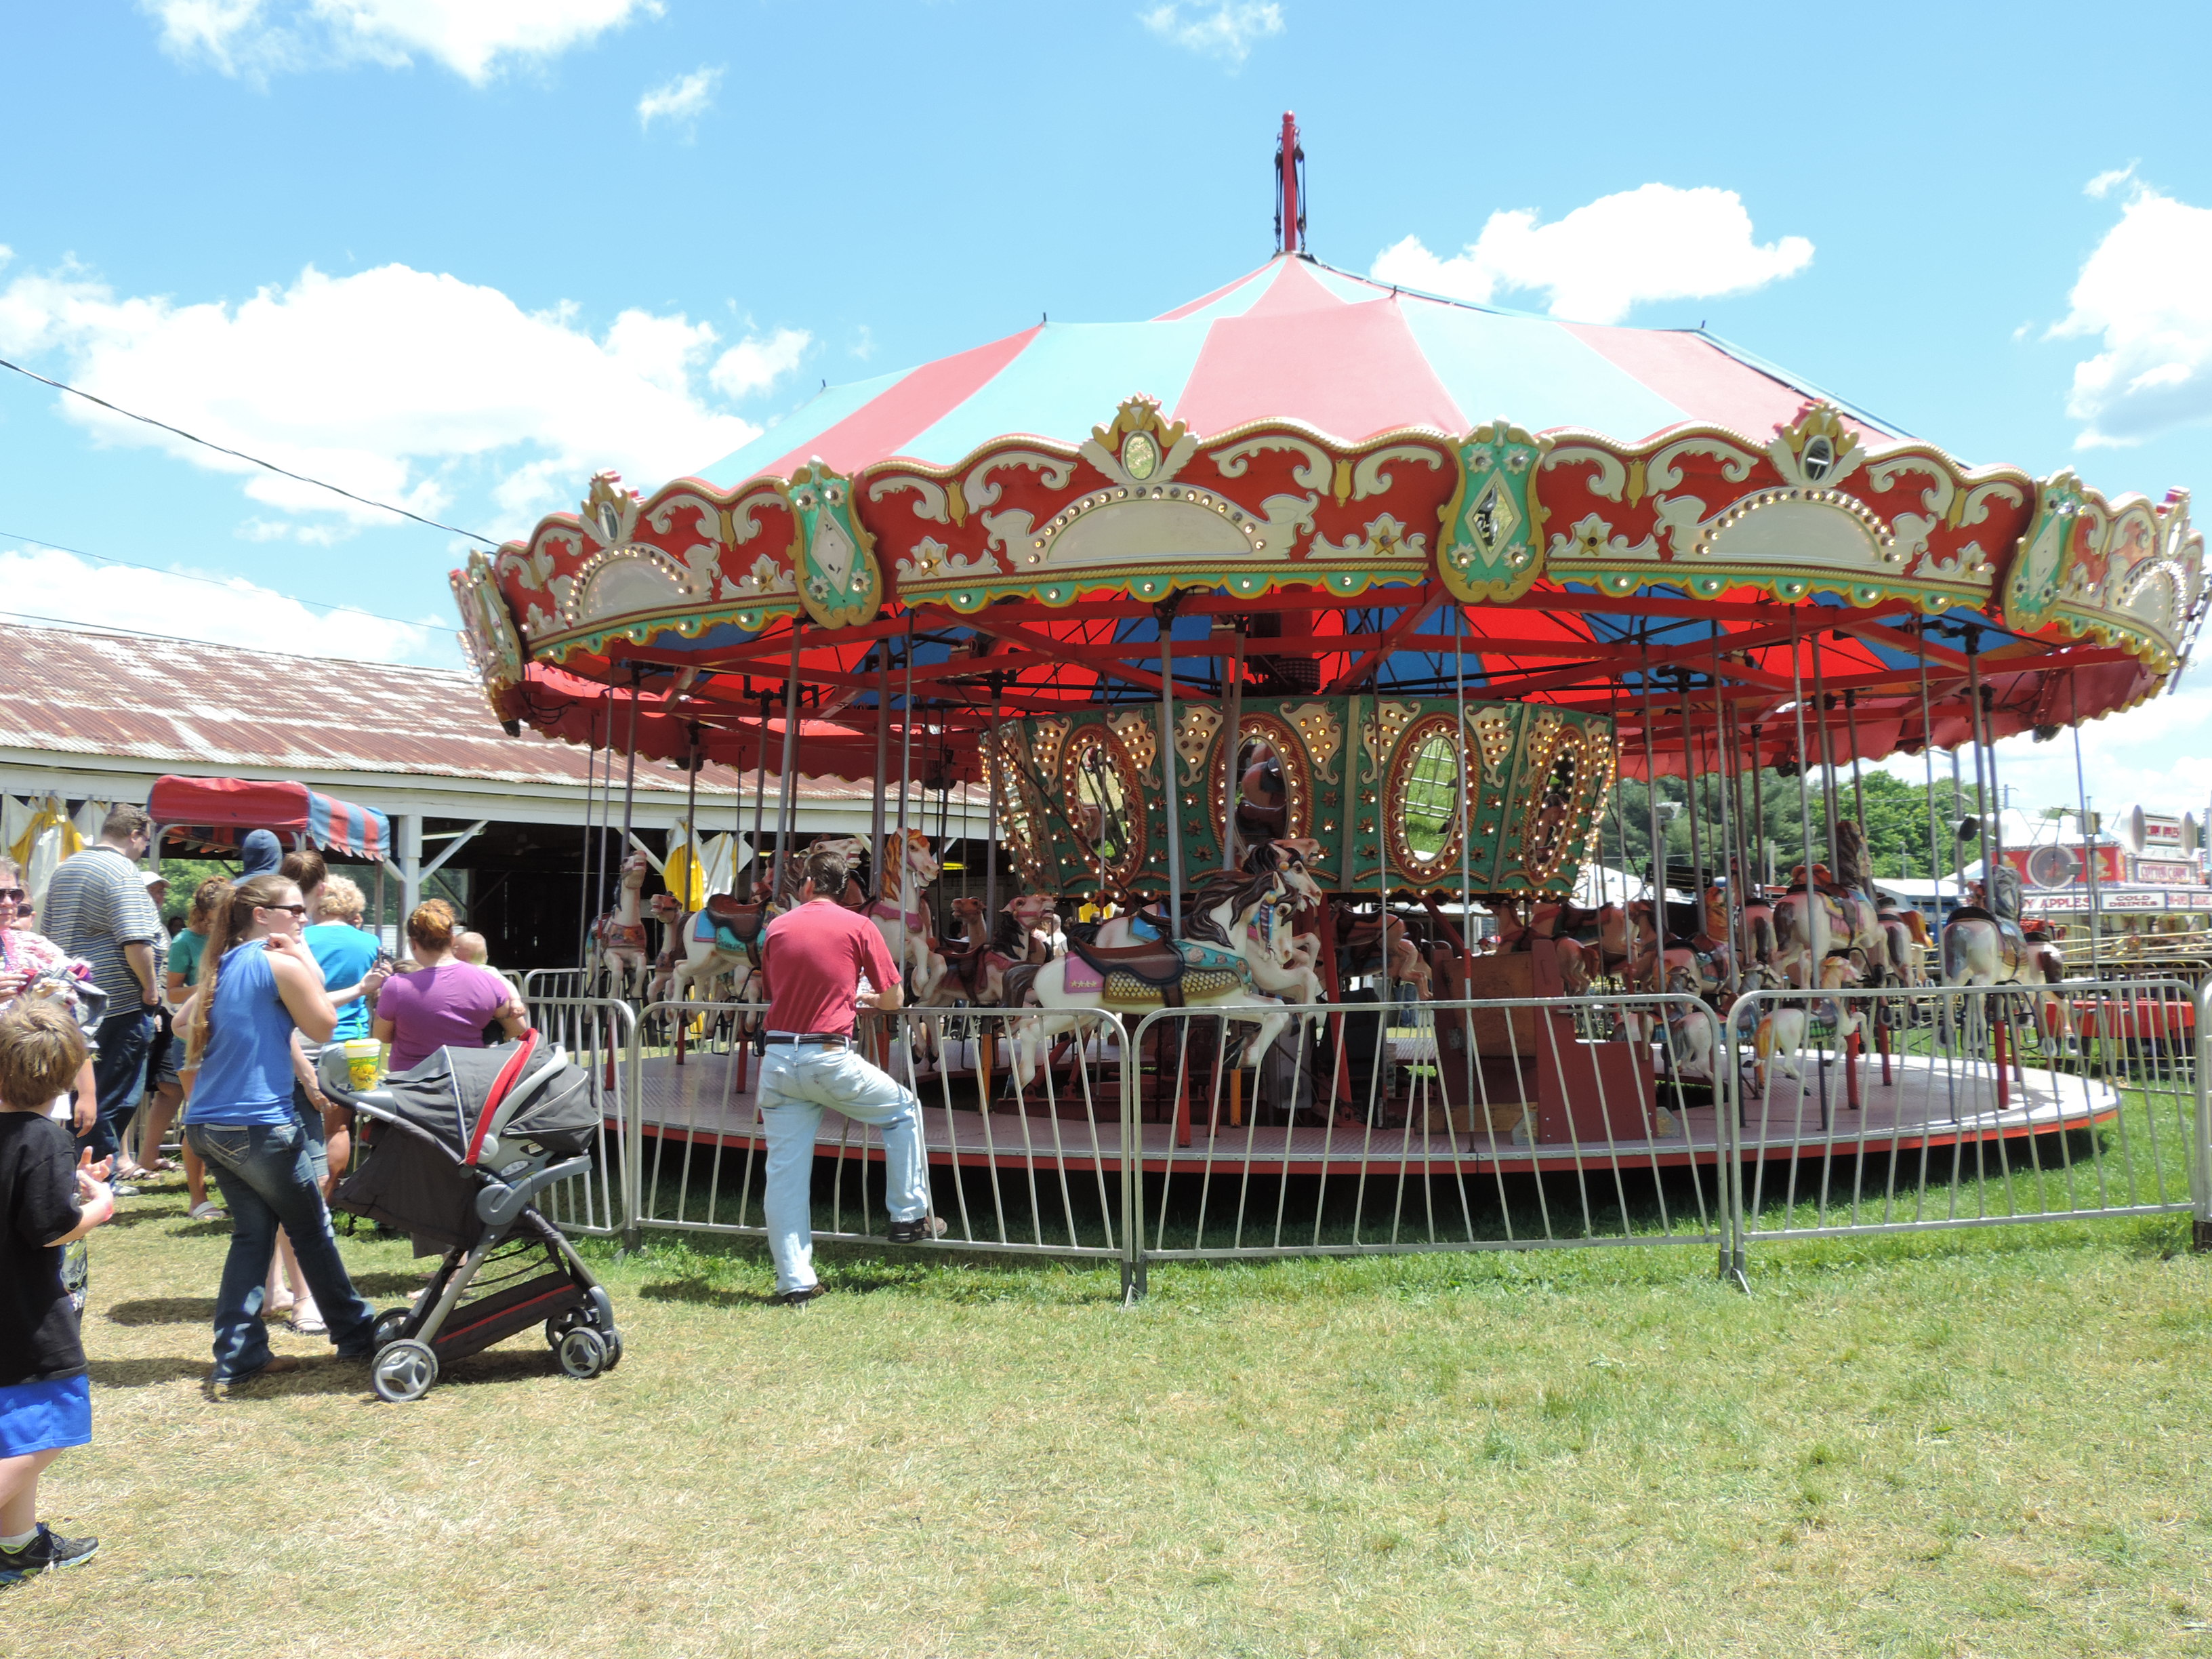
(1928, 1103)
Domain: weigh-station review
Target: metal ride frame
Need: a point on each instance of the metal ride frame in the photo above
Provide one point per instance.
(2083, 1149)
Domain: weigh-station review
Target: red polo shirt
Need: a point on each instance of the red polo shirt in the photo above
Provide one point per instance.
(814, 959)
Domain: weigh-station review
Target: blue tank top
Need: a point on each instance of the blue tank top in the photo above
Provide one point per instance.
(245, 1076)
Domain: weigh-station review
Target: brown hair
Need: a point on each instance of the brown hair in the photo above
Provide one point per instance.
(431, 926)
(305, 866)
(341, 898)
(205, 897)
(828, 869)
(41, 1052)
(124, 822)
(232, 918)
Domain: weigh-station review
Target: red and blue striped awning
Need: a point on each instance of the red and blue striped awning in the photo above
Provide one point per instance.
(1294, 339)
(221, 810)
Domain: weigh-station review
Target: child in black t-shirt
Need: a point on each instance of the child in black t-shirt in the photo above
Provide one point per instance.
(48, 1198)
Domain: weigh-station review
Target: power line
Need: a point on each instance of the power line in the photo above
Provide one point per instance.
(239, 454)
(211, 581)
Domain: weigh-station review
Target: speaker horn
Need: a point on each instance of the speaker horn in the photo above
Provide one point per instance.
(2131, 831)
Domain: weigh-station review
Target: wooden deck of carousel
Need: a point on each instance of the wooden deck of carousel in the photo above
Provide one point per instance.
(1929, 1102)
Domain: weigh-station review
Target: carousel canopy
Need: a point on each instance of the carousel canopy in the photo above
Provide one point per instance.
(1305, 485)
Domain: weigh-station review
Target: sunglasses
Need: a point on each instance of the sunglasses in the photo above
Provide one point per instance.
(300, 910)
(12, 896)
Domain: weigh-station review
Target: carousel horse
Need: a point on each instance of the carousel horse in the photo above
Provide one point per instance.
(1906, 932)
(1780, 1036)
(723, 937)
(1288, 858)
(1240, 923)
(900, 912)
(1817, 917)
(1708, 960)
(976, 970)
(619, 949)
(1985, 944)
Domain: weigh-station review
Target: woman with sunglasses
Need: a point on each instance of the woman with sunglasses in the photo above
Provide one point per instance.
(259, 982)
(27, 956)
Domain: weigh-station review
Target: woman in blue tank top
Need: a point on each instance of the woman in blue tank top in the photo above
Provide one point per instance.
(257, 982)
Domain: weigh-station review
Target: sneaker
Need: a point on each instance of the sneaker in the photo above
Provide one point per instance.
(919, 1231)
(796, 1300)
(122, 1189)
(276, 1365)
(44, 1553)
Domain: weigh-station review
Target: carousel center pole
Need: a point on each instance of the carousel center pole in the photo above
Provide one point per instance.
(882, 763)
(1233, 751)
(760, 796)
(786, 804)
(2088, 843)
(1172, 801)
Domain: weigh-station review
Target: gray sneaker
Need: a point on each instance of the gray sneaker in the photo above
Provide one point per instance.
(44, 1553)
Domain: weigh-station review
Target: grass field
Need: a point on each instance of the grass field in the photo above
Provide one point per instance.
(1993, 1443)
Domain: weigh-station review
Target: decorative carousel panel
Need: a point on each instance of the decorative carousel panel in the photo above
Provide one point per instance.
(488, 629)
(1105, 792)
(1274, 780)
(841, 583)
(1492, 541)
(1816, 510)
(2127, 572)
(625, 569)
(1146, 507)
(1022, 817)
(1564, 767)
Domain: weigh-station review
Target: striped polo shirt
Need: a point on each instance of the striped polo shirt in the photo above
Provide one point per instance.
(96, 903)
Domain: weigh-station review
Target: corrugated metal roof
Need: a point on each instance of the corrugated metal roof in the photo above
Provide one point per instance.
(192, 709)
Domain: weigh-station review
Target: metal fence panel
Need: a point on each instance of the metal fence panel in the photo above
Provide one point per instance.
(1022, 1157)
(599, 1035)
(1863, 1111)
(1502, 1123)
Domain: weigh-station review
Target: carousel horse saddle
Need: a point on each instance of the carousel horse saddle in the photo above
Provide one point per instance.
(729, 922)
(1970, 913)
(1156, 961)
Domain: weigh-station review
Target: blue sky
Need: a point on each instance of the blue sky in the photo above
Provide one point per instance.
(461, 254)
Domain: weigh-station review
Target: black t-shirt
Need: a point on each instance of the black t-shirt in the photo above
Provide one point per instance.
(38, 1204)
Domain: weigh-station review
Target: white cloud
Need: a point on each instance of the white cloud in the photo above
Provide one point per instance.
(1656, 242)
(2153, 756)
(754, 364)
(681, 102)
(2105, 183)
(45, 583)
(475, 38)
(2144, 289)
(403, 385)
(1228, 31)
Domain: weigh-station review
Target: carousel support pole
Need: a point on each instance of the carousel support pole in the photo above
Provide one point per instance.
(1172, 804)
(1976, 715)
(787, 805)
(991, 845)
(1690, 793)
(1332, 1032)
(1827, 757)
(1232, 758)
(2088, 843)
(1814, 911)
(690, 874)
(882, 763)
(1758, 857)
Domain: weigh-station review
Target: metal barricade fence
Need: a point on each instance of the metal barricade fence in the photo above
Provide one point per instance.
(1893, 1109)
(1500, 1123)
(1020, 1124)
(600, 1036)
(552, 982)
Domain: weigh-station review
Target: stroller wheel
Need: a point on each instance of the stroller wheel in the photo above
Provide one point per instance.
(403, 1371)
(582, 1353)
(391, 1325)
(613, 1340)
(561, 1324)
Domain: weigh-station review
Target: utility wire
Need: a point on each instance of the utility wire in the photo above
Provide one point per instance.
(211, 581)
(239, 454)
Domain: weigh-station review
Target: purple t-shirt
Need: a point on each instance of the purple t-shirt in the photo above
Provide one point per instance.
(443, 1007)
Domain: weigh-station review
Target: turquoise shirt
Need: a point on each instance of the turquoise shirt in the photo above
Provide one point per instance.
(346, 955)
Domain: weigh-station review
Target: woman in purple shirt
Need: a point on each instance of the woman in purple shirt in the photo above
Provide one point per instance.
(445, 1003)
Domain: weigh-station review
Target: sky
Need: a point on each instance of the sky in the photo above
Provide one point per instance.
(457, 255)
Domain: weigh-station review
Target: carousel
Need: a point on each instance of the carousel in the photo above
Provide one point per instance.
(1302, 634)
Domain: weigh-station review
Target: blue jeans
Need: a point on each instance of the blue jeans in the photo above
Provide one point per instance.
(118, 1076)
(795, 1085)
(268, 1182)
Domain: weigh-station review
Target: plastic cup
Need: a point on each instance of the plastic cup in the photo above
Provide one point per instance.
(360, 1056)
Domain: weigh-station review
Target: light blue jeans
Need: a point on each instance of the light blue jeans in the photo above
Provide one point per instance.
(795, 1085)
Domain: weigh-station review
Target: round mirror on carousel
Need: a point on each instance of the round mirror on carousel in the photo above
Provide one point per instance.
(1422, 805)
(1105, 805)
(1552, 814)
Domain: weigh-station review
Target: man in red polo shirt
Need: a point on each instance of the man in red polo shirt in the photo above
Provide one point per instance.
(815, 955)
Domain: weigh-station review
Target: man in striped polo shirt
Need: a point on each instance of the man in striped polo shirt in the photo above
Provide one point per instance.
(96, 907)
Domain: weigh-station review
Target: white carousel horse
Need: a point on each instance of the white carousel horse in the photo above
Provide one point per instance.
(619, 949)
(1815, 919)
(1780, 1036)
(1986, 946)
(900, 911)
(1242, 930)
(706, 945)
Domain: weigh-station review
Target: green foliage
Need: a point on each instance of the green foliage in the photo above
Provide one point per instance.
(1896, 822)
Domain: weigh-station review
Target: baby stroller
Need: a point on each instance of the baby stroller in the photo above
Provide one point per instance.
(460, 1147)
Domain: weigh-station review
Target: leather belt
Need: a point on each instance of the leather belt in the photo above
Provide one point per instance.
(802, 1039)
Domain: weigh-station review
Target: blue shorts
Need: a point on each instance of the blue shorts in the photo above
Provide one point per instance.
(36, 1417)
